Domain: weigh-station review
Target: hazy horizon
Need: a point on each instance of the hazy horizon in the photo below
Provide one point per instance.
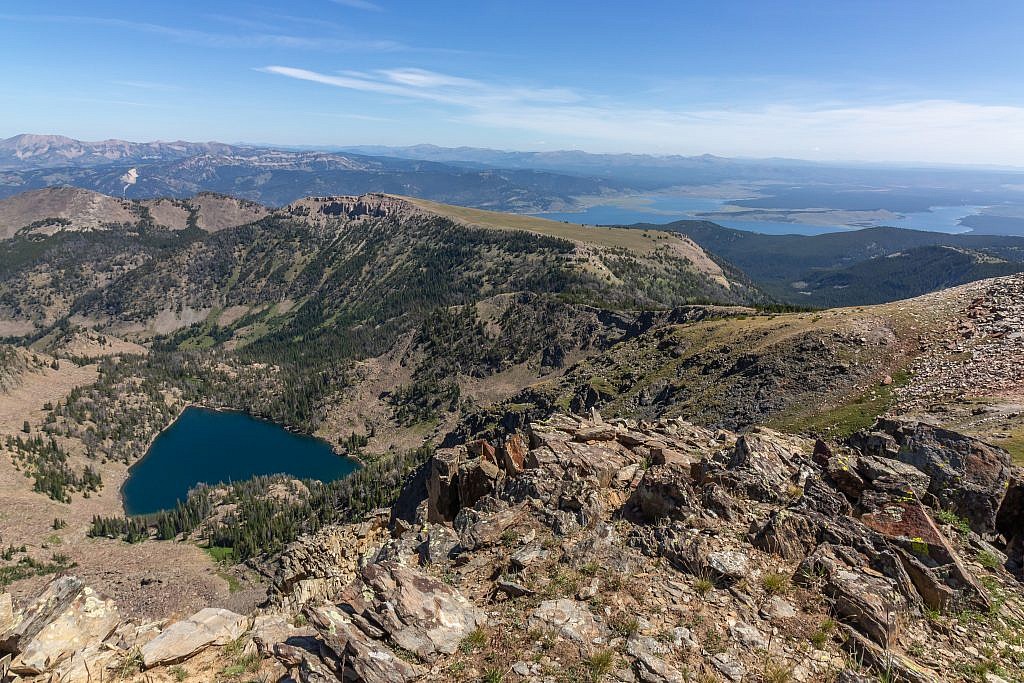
(349, 147)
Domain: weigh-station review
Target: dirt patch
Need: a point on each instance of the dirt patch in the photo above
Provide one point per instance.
(231, 315)
(217, 212)
(167, 320)
(169, 212)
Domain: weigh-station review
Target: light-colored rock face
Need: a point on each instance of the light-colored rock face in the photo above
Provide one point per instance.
(389, 608)
(89, 619)
(418, 612)
(8, 619)
(57, 597)
(183, 639)
(316, 567)
(87, 664)
(322, 210)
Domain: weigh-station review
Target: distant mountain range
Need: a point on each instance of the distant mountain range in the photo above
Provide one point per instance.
(272, 176)
(72, 209)
(51, 151)
(521, 182)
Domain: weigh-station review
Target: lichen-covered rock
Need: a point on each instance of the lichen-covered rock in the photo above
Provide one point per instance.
(930, 561)
(872, 602)
(666, 491)
(316, 567)
(354, 651)
(55, 599)
(967, 476)
(764, 465)
(730, 565)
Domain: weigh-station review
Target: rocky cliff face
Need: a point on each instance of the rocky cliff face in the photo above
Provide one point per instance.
(319, 210)
(584, 549)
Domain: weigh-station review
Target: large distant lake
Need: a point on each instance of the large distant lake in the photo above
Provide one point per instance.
(665, 208)
(218, 446)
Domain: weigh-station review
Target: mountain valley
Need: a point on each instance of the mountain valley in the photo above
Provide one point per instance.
(371, 341)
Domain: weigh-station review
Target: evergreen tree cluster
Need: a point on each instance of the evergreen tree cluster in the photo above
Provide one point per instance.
(269, 512)
(47, 464)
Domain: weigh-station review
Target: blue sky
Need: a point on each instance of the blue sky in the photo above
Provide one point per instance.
(903, 80)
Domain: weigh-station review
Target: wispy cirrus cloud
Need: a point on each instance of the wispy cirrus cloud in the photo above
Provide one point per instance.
(421, 84)
(359, 4)
(928, 130)
(147, 85)
(213, 39)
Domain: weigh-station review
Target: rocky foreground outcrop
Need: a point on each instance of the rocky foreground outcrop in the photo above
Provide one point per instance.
(582, 550)
(665, 551)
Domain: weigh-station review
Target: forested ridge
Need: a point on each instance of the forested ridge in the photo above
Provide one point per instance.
(283, 312)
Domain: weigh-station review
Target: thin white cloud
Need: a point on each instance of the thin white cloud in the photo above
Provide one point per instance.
(147, 85)
(431, 86)
(939, 131)
(359, 4)
(220, 40)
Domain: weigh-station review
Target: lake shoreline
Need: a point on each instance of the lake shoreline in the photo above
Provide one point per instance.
(221, 451)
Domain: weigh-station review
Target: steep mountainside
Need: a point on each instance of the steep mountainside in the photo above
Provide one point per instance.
(319, 252)
(949, 357)
(902, 274)
(846, 268)
(296, 316)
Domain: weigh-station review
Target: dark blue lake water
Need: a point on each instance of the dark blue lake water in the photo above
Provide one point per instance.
(215, 446)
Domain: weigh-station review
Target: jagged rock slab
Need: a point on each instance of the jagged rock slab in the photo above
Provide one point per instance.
(87, 620)
(316, 567)
(87, 665)
(357, 651)
(51, 603)
(8, 618)
(417, 611)
(182, 639)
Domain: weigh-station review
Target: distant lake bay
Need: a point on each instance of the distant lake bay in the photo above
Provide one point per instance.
(666, 208)
(210, 446)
